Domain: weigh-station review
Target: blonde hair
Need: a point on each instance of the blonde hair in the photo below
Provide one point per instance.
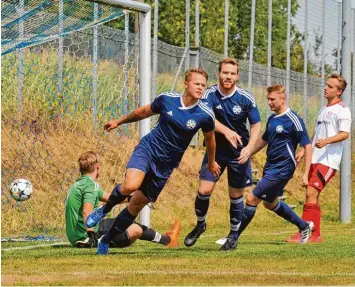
(231, 61)
(191, 71)
(279, 89)
(342, 82)
(87, 162)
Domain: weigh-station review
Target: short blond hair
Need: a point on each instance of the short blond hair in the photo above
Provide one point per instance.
(280, 89)
(342, 82)
(191, 71)
(231, 61)
(87, 162)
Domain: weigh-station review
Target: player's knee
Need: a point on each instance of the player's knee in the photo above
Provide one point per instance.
(134, 232)
(251, 199)
(128, 188)
(311, 194)
(206, 187)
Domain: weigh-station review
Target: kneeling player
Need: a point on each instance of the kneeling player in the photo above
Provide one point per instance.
(84, 196)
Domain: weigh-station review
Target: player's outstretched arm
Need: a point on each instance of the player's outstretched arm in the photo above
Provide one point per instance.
(229, 134)
(137, 115)
(213, 166)
(308, 162)
(255, 130)
(260, 144)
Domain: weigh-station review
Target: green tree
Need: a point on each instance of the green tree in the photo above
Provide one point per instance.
(172, 28)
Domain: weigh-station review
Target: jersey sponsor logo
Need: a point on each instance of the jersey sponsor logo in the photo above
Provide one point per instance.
(219, 107)
(170, 113)
(237, 109)
(191, 124)
(279, 129)
(323, 123)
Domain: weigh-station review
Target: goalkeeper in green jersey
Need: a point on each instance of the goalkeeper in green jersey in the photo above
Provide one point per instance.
(84, 196)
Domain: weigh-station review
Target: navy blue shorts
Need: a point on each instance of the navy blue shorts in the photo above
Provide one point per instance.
(156, 174)
(239, 175)
(268, 189)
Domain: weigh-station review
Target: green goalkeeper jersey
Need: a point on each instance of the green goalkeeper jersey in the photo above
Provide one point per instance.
(84, 190)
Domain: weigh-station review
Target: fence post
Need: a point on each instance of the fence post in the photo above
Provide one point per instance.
(60, 48)
(94, 70)
(226, 18)
(345, 167)
(251, 46)
(20, 59)
(197, 34)
(305, 66)
(288, 51)
(323, 54)
(155, 49)
(187, 34)
(269, 51)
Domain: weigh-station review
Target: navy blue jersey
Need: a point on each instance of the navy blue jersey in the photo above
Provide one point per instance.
(233, 112)
(176, 127)
(283, 133)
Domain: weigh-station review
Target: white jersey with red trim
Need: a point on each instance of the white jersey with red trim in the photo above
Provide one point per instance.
(330, 121)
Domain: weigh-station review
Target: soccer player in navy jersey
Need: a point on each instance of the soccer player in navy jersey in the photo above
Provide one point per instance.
(159, 152)
(232, 106)
(284, 131)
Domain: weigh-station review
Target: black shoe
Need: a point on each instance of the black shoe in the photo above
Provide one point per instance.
(230, 244)
(192, 237)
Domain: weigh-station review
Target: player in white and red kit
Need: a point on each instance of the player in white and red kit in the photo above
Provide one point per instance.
(332, 129)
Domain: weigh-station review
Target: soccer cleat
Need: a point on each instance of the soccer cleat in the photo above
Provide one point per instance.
(305, 233)
(94, 217)
(102, 248)
(296, 238)
(192, 237)
(174, 234)
(221, 241)
(315, 239)
(230, 244)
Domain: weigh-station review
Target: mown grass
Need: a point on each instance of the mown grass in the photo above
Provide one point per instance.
(262, 258)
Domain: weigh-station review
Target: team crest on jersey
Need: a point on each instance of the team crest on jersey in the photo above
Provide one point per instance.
(279, 129)
(237, 109)
(191, 124)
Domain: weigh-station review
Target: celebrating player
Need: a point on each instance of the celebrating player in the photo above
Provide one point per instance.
(332, 129)
(233, 106)
(284, 131)
(84, 196)
(159, 152)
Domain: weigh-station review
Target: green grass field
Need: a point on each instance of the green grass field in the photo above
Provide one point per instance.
(262, 258)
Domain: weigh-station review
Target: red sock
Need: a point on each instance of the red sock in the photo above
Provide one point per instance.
(312, 212)
(316, 221)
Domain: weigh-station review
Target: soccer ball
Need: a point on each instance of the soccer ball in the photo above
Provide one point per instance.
(21, 189)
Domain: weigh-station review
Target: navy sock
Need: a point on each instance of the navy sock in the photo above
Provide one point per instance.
(248, 215)
(236, 214)
(202, 203)
(122, 222)
(115, 198)
(283, 210)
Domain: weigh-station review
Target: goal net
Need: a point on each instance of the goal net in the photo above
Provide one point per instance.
(68, 66)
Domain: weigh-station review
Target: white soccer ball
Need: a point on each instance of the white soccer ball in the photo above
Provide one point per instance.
(21, 189)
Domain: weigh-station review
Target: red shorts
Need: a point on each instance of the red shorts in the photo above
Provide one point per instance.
(320, 175)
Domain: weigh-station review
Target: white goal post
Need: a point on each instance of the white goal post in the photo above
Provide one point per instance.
(144, 68)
